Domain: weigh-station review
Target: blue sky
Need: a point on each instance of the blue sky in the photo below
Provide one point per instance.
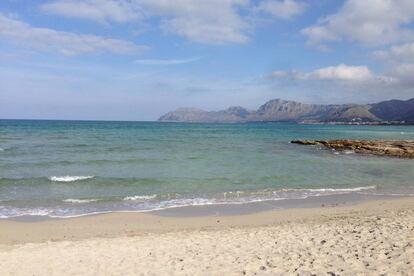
(137, 59)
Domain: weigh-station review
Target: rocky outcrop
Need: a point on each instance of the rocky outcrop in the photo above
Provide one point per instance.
(279, 110)
(401, 149)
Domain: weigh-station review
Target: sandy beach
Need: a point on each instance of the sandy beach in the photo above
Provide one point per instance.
(370, 238)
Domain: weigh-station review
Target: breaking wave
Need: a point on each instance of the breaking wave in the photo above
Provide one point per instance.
(69, 178)
(140, 197)
(75, 200)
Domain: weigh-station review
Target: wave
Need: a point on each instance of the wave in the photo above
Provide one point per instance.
(356, 189)
(69, 178)
(75, 200)
(292, 193)
(31, 212)
(53, 163)
(89, 179)
(140, 197)
(50, 214)
(147, 203)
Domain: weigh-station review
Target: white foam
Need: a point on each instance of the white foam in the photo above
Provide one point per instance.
(81, 215)
(175, 203)
(69, 178)
(145, 203)
(356, 189)
(140, 197)
(34, 212)
(75, 200)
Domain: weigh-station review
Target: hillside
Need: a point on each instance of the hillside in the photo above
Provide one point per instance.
(279, 110)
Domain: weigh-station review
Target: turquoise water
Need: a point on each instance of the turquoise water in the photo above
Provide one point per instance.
(72, 168)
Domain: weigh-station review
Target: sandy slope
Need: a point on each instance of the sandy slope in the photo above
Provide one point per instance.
(372, 238)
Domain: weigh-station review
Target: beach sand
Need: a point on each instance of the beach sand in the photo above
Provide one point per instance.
(370, 238)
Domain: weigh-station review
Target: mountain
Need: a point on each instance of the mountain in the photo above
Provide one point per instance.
(279, 110)
(230, 115)
(394, 110)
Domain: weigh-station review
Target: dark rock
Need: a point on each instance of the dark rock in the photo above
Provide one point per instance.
(401, 149)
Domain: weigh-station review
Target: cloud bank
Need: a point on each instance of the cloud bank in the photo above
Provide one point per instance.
(341, 72)
(166, 61)
(208, 22)
(372, 22)
(66, 43)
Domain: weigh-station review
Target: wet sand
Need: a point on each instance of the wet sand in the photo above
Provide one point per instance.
(367, 238)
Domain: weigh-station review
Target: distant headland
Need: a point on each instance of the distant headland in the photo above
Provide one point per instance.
(278, 110)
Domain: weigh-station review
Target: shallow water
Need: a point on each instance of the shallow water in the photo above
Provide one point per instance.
(71, 168)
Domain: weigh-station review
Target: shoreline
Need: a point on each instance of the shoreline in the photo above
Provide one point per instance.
(238, 208)
(369, 238)
(115, 224)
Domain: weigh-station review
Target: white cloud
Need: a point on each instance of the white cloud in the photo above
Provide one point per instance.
(284, 9)
(99, 10)
(341, 72)
(405, 70)
(343, 84)
(279, 74)
(210, 31)
(213, 21)
(371, 22)
(65, 43)
(165, 61)
(403, 73)
(209, 22)
(397, 53)
(399, 63)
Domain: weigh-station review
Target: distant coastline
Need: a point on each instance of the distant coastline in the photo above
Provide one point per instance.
(365, 123)
(304, 122)
(392, 112)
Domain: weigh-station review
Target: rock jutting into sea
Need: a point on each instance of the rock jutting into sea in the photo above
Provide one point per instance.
(401, 149)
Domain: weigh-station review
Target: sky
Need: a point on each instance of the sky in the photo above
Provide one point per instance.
(138, 59)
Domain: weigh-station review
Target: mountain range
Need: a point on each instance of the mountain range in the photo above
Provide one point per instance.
(279, 110)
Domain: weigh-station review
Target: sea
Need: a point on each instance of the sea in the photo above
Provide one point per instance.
(60, 169)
